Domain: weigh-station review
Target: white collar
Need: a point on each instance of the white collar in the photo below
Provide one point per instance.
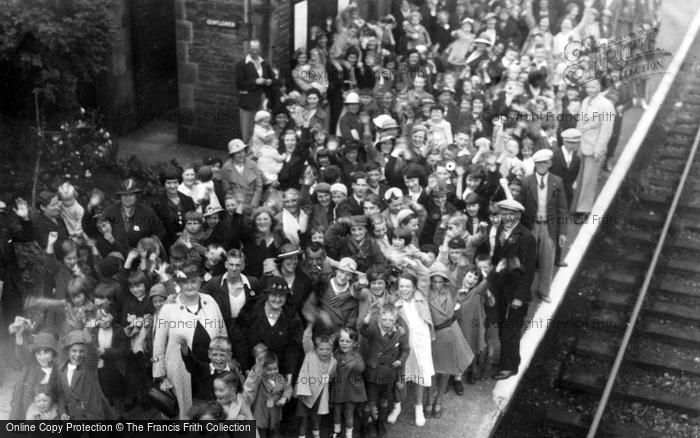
(244, 280)
(72, 367)
(213, 370)
(249, 59)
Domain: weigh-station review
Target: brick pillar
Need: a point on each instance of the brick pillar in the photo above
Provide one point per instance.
(207, 52)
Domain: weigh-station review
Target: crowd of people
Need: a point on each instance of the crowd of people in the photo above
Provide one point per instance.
(397, 200)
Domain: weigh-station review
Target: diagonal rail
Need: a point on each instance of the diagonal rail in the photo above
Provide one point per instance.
(642, 293)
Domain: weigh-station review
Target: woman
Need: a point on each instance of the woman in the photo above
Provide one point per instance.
(322, 210)
(417, 91)
(261, 242)
(172, 205)
(451, 352)
(193, 319)
(189, 181)
(415, 312)
(49, 219)
(293, 168)
(274, 322)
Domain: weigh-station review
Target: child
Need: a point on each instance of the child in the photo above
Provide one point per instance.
(71, 211)
(348, 388)
(193, 235)
(226, 387)
(484, 266)
(206, 411)
(267, 391)
(135, 308)
(312, 384)
(76, 308)
(44, 406)
(387, 352)
(440, 129)
(113, 354)
(204, 373)
(80, 396)
(459, 48)
(39, 367)
(214, 263)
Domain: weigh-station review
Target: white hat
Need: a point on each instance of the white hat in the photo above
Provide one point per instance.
(261, 115)
(338, 187)
(483, 41)
(404, 214)
(542, 155)
(347, 264)
(66, 190)
(511, 204)
(421, 48)
(571, 134)
(352, 97)
(482, 142)
(235, 145)
(384, 121)
(393, 192)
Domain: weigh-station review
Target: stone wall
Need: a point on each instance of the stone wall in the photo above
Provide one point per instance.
(207, 54)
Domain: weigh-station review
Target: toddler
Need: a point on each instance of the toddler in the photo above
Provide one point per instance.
(267, 391)
(44, 406)
(312, 389)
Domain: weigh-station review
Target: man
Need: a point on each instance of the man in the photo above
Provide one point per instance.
(349, 238)
(233, 291)
(374, 179)
(359, 189)
(545, 214)
(566, 161)
(242, 174)
(596, 126)
(131, 220)
(254, 81)
(292, 221)
(514, 257)
(394, 201)
(315, 264)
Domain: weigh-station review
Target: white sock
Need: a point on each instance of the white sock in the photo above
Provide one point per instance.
(336, 428)
(348, 432)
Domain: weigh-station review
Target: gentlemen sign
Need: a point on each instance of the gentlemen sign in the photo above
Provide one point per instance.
(221, 23)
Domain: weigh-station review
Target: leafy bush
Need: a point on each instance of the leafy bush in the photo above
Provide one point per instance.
(52, 47)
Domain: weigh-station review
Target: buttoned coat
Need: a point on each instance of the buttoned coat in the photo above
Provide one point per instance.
(249, 181)
(568, 173)
(250, 94)
(556, 204)
(514, 282)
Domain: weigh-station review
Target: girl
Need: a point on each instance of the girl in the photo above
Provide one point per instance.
(76, 308)
(44, 405)
(459, 48)
(267, 391)
(311, 388)
(348, 388)
(148, 256)
(71, 211)
(41, 369)
(133, 320)
(226, 386)
(113, 354)
(194, 234)
(451, 353)
(474, 297)
(415, 312)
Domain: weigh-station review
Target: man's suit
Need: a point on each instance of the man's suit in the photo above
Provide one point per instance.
(250, 94)
(514, 282)
(546, 229)
(567, 173)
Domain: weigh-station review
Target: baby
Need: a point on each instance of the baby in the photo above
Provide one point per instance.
(264, 146)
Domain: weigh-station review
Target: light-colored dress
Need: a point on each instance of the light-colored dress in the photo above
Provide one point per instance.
(419, 365)
(174, 326)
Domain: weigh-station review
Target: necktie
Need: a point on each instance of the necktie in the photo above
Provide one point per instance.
(542, 183)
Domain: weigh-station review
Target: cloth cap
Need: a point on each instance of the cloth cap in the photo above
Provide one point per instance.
(358, 221)
(178, 251)
(235, 145)
(457, 243)
(571, 134)
(158, 290)
(404, 214)
(338, 187)
(348, 265)
(77, 337)
(437, 269)
(542, 155)
(129, 186)
(511, 204)
(322, 187)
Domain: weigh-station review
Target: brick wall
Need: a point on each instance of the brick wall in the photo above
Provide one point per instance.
(206, 60)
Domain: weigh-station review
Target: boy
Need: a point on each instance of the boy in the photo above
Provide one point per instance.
(203, 374)
(267, 391)
(387, 352)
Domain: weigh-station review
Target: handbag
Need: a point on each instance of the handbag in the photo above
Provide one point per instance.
(164, 401)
